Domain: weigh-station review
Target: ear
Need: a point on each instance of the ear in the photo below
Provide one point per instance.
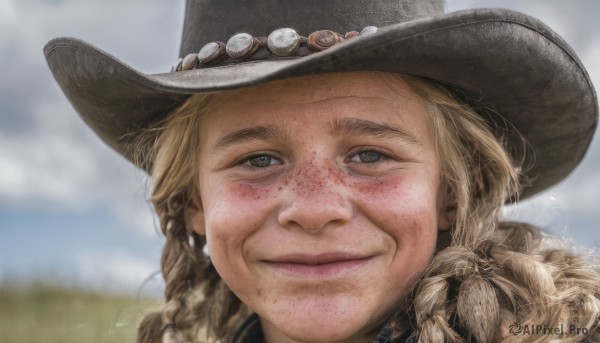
(447, 210)
(195, 216)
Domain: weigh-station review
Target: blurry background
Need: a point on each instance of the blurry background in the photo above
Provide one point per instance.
(74, 213)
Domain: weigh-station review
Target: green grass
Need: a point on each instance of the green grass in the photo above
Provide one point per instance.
(49, 314)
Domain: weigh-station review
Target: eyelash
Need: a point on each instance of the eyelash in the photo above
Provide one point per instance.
(246, 161)
(383, 156)
(381, 159)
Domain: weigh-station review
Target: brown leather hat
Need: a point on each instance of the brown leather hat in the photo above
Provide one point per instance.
(502, 61)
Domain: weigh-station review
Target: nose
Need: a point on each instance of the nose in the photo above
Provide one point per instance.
(315, 197)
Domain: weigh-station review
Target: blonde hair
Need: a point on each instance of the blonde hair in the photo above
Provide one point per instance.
(491, 274)
(486, 272)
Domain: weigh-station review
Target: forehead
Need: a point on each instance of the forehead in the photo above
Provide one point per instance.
(300, 110)
(360, 94)
(322, 87)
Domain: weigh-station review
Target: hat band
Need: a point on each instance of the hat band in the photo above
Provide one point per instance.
(284, 42)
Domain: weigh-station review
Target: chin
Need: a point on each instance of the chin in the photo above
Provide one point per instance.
(326, 321)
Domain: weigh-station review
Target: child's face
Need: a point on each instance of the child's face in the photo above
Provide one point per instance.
(320, 200)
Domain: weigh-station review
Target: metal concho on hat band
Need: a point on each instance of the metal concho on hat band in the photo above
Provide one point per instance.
(283, 42)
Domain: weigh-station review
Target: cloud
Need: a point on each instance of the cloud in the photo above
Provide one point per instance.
(46, 165)
(137, 214)
(574, 20)
(591, 58)
(48, 157)
(119, 272)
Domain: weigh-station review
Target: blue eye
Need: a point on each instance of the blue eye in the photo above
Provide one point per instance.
(367, 156)
(261, 161)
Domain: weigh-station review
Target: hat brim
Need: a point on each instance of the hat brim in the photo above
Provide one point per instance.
(503, 61)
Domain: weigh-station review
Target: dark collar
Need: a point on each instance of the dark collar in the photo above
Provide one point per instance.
(250, 332)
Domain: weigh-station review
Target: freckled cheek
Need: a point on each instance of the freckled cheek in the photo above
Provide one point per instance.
(233, 215)
(245, 193)
(239, 200)
(226, 233)
(405, 210)
(403, 207)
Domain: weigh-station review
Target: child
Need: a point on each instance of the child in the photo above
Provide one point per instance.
(346, 187)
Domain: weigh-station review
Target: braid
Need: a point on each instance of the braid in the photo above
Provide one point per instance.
(477, 298)
(196, 298)
(181, 264)
(179, 275)
(151, 328)
(198, 303)
(483, 291)
(432, 315)
(490, 274)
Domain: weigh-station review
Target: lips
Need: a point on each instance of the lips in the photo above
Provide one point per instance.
(318, 266)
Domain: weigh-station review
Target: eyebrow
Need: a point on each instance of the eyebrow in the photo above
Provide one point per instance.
(262, 132)
(361, 127)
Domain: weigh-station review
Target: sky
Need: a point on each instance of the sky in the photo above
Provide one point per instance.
(74, 211)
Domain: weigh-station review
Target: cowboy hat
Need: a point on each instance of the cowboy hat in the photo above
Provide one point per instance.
(503, 63)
